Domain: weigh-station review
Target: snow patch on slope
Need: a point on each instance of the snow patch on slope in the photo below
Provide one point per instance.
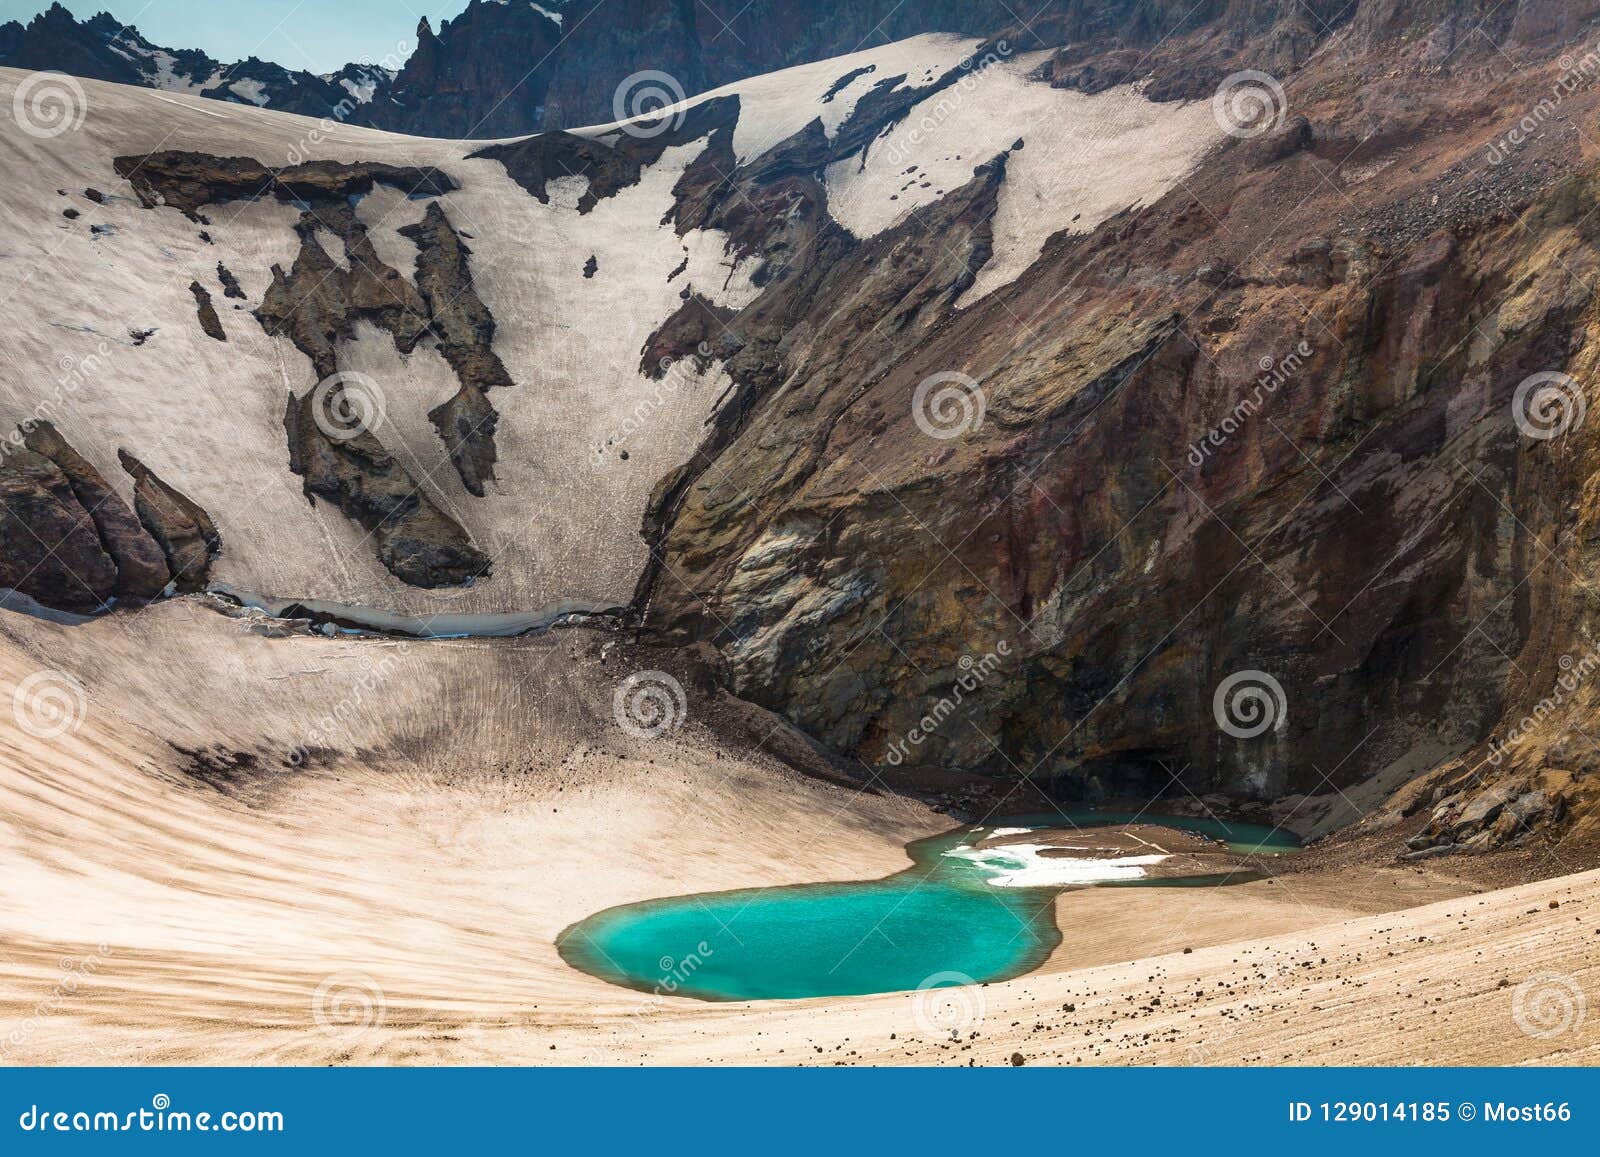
(1084, 158)
(776, 106)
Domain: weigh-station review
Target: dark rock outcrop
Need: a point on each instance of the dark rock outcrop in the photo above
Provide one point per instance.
(230, 283)
(190, 181)
(318, 301)
(316, 305)
(185, 532)
(49, 548)
(416, 542)
(142, 571)
(207, 312)
(612, 163)
(70, 542)
(465, 329)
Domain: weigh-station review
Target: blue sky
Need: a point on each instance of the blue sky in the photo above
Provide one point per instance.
(319, 35)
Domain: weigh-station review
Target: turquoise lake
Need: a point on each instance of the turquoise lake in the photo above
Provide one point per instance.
(940, 921)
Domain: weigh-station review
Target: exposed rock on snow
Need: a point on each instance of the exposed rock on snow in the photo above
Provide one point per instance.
(209, 321)
(183, 529)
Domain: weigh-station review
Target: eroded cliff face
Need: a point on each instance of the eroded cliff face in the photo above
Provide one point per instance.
(1235, 493)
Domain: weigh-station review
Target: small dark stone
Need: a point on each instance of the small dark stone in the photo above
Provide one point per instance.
(209, 321)
(71, 214)
(230, 283)
(1018, 1060)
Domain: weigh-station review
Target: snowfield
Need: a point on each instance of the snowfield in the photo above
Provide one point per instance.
(102, 338)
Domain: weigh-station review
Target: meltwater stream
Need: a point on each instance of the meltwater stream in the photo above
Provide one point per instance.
(959, 913)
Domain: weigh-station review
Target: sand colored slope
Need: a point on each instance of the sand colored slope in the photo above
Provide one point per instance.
(397, 899)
